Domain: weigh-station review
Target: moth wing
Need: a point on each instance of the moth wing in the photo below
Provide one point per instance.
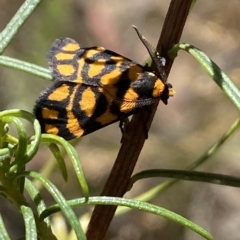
(72, 110)
(62, 60)
(94, 66)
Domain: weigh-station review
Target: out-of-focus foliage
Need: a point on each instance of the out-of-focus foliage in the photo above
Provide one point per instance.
(193, 120)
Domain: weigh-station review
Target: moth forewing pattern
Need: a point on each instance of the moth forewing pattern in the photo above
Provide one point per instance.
(94, 87)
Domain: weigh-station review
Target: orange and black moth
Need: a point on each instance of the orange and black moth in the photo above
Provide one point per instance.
(94, 87)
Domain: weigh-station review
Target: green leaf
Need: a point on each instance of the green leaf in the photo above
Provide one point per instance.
(30, 225)
(26, 67)
(35, 141)
(36, 197)
(58, 155)
(16, 22)
(3, 232)
(222, 80)
(134, 204)
(49, 138)
(22, 138)
(214, 178)
(66, 209)
(150, 194)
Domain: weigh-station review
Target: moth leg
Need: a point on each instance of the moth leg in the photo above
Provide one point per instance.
(122, 125)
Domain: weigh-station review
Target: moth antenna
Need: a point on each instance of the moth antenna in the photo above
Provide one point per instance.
(159, 62)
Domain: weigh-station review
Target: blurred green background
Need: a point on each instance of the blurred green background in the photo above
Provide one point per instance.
(194, 119)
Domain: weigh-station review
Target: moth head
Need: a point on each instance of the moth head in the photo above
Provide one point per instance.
(167, 92)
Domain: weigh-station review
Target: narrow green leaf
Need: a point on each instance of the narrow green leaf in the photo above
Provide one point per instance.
(22, 137)
(70, 150)
(3, 232)
(35, 141)
(36, 197)
(4, 154)
(150, 194)
(30, 225)
(26, 67)
(222, 80)
(16, 22)
(2, 132)
(214, 178)
(66, 209)
(57, 154)
(135, 204)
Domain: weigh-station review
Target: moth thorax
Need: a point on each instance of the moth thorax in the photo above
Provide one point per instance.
(167, 92)
(144, 85)
(158, 89)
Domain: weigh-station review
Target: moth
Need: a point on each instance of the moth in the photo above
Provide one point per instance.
(94, 87)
